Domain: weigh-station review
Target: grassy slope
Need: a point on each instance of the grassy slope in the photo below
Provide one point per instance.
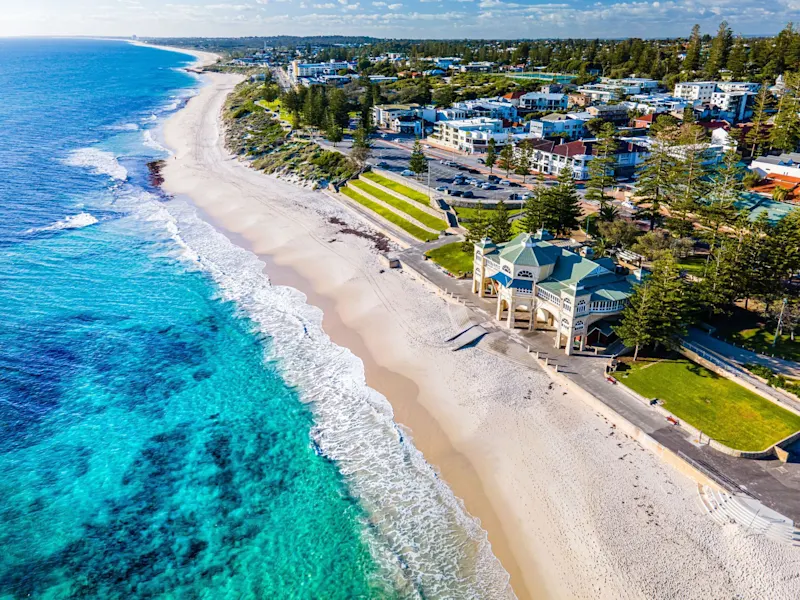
(398, 187)
(717, 406)
(760, 340)
(392, 217)
(413, 211)
(452, 258)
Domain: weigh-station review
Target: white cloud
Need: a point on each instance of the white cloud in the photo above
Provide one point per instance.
(395, 6)
(327, 5)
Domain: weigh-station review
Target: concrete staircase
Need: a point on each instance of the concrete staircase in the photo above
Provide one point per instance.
(747, 512)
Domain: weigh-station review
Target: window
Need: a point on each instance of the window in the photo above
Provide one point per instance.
(527, 274)
(506, 269)
(578, 325)
(581, 306)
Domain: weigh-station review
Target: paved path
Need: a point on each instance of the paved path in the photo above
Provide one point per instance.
(775, 484)
(742, 356)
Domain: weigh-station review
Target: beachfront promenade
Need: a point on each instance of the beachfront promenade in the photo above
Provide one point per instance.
(775, 484)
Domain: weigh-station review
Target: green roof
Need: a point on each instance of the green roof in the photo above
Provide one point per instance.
(528, 251)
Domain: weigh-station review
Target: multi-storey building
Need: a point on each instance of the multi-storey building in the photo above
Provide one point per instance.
(539, 284)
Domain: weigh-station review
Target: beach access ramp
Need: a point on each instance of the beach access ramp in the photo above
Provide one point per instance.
(467, 338)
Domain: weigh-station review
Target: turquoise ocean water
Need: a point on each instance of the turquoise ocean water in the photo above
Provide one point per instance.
(171, 425)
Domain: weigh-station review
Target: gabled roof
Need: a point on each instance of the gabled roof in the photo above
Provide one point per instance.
(526, 250)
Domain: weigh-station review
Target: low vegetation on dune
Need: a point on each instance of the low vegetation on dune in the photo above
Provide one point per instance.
(254, 131)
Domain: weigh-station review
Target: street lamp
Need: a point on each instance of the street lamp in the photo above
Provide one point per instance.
(780, 323)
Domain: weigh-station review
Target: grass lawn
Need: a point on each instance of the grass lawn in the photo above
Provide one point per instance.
(274, 106)
(469, 213)
(760, 340)
(392, 217)
(412, 211)
(693, 265)
(717, 406)
(452, 258)
(398, 187)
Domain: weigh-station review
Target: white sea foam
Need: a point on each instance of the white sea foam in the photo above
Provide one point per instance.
(151, 142)
(78, 221)
(98, 161)
(426, 542)
(124, 127)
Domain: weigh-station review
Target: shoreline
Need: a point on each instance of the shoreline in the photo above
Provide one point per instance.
(538, 468)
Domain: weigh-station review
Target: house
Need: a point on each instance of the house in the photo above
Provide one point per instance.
(434, 73)
(402, 118)
(644, 121)
(381, 79)
(787, 163)
(446, 62)
(477, 67)
(576, 99)
(513, 97)
(537, 101)
(557, 124)
(540, 284)
(613, 113)
(550, 158)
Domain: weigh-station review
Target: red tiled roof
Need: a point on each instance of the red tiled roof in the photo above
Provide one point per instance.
(648, 118)
(514, 95)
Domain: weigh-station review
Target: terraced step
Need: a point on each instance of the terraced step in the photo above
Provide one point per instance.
(388, 215)
(403, 208)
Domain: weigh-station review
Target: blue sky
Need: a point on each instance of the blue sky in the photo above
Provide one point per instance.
(392, 18)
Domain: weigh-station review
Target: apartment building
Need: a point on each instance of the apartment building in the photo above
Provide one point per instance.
(557, 124)
(535, 101)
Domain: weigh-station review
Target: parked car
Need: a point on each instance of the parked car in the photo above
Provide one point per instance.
(504, 182)
(473, 182)
(383, 164)
(473, 171)
(459, 181)
(426, 146)
(468, 194)
(384, 135)
(455, 192)
(407, 173)
(494, 178)
(481, 161)
(514, 197)
(487, 186)
(441, 188)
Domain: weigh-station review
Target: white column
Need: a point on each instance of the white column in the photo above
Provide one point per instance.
(510, 320)
(558, 337)
(499, 307)
(570, 344)
(583, 342)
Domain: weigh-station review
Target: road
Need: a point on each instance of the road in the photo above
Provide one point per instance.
(393, 153)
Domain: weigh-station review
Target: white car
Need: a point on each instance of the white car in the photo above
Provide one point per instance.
(407, 173)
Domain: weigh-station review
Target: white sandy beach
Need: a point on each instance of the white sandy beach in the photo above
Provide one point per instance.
(572, 509)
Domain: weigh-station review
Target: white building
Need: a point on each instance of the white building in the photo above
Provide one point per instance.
(695, 90)
(542, 101)
(540, 285)
(493, 108)
(557, 124)
(550, 158)
(735, 104)
(402, 118)
(298, 69)
(787, 163)
(656, 103)
(738, 86)
(472, 135)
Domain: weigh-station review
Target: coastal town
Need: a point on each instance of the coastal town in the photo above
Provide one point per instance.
(638, 235)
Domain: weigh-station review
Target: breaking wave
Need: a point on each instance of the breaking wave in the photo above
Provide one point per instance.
(100, 162)
(78, 221)
(418, 531)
